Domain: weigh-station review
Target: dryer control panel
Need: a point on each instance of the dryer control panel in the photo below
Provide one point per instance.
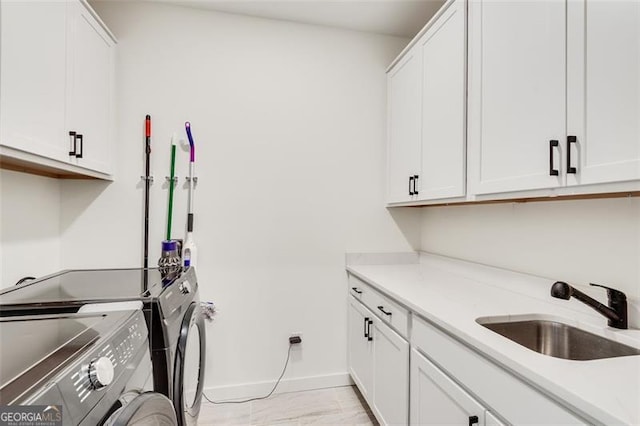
(178, 295)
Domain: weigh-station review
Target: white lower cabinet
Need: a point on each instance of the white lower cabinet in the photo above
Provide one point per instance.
(379, 365)
(438, 400)
(360, 347)
(514, 400)
(391, 375)
(412, 372)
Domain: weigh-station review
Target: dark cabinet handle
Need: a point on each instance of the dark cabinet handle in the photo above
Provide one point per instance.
(383, 311)
(21, 280)
(72, 143)
(552, 171)
(415, 184)
(410, 182)
(473, 420)
(570, 140)
(366, 324)
(369, 323)
(356, 290)
(79, 155)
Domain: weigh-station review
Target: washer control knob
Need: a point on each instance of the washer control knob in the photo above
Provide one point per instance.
(100, 372)
(185, 287)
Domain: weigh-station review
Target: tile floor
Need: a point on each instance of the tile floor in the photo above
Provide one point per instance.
(332, 406)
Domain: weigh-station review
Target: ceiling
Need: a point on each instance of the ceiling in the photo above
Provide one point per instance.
(402, 18)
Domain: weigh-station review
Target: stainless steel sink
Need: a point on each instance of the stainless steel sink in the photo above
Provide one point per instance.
(559, 340)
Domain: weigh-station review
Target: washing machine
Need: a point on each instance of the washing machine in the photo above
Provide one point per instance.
(172, 312)
(81, 369)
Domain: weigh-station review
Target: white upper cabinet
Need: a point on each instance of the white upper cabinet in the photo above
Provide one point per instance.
(603, 91)
(90, 77)
(517, 99)
(443, 54)
(57, 86)
(517, 93)
(403, 149)
(426, 112)
(554, 96)
(32, 77)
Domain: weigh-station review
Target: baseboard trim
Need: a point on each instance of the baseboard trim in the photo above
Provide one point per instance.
(258, 389)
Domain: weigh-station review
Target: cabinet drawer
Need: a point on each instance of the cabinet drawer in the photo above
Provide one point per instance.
(500, 391)
(384, 307)
(389, 311)
(358, 288)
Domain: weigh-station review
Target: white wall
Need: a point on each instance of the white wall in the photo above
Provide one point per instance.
(289, 125)
(578, 241)
(29, 226)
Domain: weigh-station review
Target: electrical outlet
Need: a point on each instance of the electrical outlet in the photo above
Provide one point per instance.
(295, 338)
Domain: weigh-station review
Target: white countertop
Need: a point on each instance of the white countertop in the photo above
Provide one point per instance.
(453, 294)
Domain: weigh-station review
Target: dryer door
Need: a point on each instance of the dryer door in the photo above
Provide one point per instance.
(189, 366)
(147, 409)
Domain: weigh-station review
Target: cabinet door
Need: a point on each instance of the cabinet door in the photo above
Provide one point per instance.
(604, 90)
(90, 88)
(360, 348)
(391, 375)
(517, 94)
(438, 400)
(444, 100)
(403, 139)
(32, 77)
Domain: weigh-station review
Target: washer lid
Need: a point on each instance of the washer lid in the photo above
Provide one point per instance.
(84, 285)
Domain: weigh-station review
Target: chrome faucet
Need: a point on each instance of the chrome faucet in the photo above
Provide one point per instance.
(616, 312)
